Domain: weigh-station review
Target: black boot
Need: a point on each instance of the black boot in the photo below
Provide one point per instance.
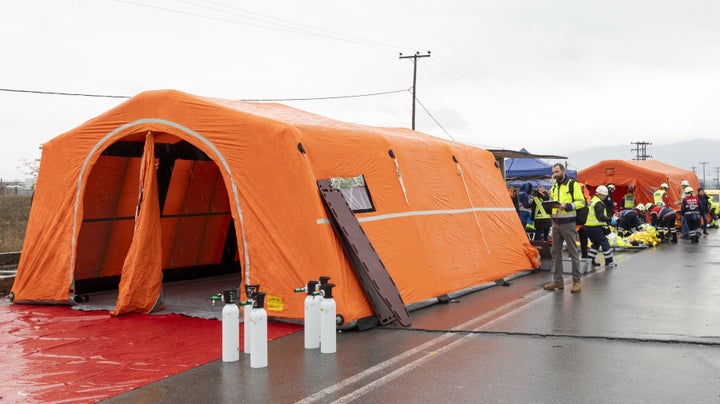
(674, 238)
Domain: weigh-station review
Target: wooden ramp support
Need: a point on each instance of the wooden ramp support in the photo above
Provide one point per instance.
(379, 287)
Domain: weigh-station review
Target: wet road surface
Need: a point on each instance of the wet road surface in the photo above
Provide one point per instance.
(647, 331)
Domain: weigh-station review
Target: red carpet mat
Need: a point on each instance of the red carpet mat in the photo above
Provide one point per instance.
(56, 354)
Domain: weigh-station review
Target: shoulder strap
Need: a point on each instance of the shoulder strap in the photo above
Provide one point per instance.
(571, 188)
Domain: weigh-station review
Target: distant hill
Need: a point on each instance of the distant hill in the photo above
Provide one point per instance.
(685, 155)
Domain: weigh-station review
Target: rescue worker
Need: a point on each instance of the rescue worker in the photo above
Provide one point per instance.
(628, 201)
(563, 227)
(540, 221)
(642, 213)
(582, 235)
(524, 202)
(661, 195)
(597, 219)
(690, 210)
(628, 221)
(683, 223)
(663, 219)
(609, 202)
(714, 214)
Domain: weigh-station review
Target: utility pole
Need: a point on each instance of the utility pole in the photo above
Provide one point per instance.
(703, 164)
(641, 150)
(717, 177)
(414, 58)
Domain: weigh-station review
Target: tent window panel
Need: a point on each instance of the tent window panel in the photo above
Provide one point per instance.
(355, 191)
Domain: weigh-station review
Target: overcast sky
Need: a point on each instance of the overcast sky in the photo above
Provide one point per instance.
(551, 76)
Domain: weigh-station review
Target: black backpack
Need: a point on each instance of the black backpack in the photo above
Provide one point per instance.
(582, 213)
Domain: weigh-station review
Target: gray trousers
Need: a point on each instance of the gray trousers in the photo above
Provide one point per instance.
(565, 233)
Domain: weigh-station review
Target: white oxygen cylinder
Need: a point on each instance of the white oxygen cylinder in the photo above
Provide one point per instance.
(258, 333)
(230, 327)
(328, 332)
(250, 290)
(312, 317)
(246, 328)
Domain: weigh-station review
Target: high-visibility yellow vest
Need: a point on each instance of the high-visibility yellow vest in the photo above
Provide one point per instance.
(658, 196)
(629, 201)
(540, 212)
(592, 220)
(561, 193)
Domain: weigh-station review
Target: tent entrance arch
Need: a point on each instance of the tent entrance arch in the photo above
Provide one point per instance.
(198, 232)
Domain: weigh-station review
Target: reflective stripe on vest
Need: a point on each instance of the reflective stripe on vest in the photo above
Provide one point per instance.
(540, 212)
(658, 196)
(592, 220)
(629, 201)
(561, 193)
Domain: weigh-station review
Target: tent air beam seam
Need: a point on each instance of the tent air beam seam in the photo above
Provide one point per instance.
(423, 213)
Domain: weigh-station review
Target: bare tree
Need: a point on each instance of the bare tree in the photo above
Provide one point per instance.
(29, 166)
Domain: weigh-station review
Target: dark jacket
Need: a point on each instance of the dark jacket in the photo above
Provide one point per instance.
(704, 204)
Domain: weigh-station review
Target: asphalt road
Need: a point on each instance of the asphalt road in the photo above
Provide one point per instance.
(647, 331)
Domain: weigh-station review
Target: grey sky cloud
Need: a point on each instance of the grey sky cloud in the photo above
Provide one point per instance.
(552, 76)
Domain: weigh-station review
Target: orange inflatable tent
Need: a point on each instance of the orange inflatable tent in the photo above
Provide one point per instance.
(169, 180)
(645, 175)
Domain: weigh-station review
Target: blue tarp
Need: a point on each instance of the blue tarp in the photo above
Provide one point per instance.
(530, 168)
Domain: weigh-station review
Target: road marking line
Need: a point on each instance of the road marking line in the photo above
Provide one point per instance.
(532, 299)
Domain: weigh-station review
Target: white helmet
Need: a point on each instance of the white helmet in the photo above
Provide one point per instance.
(685, 183)
(611, 187)
(664, 186)
(601, 190)
(640, 207)
(648, 205)
(689, 190)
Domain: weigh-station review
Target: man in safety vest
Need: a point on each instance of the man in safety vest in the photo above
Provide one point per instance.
(540, 221)
(628, 201)
(714, 213)
(663, 219)
(568, 198)
(661, 195)
(597, 219)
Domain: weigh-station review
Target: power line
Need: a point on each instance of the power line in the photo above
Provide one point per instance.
(311, 31)
(332, 97)
(327, 97)
(436, 121)
(12, 90)
(264, 18)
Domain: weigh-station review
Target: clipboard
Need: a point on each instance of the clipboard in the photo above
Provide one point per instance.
(550, 204)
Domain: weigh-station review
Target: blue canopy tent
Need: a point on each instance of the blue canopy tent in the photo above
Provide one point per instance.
(530, 168)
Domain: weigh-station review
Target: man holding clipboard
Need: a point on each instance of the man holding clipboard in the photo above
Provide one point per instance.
(565, 200)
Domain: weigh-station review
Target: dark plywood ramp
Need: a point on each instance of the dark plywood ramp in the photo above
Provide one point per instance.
(379, 287)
